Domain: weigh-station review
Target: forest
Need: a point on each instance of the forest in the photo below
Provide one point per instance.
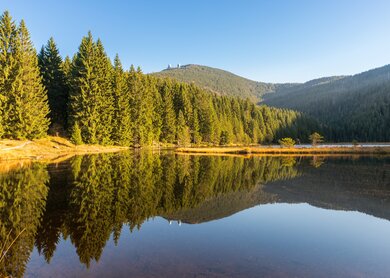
(93, 100)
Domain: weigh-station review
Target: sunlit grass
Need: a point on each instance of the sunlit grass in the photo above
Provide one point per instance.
(291, 150)
(50, 148)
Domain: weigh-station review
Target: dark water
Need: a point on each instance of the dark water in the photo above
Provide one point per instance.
(165, 215)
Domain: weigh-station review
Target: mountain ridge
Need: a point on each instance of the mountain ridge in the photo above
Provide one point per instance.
(252, 89)
(218, 81)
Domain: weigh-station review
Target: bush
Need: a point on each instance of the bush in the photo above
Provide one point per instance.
(316, 138)
(286, 142)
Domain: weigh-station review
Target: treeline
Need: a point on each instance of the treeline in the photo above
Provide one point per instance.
(89, 198)
(94, 101)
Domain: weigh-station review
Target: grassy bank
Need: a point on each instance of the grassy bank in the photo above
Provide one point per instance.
(50, 149)
(292, 150)
(57, 148)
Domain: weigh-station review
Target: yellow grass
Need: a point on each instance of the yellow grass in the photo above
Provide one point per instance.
(280, 151)
(50, 148)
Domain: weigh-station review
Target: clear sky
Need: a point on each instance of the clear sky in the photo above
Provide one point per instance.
(275, 40)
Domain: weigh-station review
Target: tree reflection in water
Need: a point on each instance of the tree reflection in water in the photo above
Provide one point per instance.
(90, 198)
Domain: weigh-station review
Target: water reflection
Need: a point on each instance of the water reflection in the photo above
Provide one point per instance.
(89, 199)
(23, 194)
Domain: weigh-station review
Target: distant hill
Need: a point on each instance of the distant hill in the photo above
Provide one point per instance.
(349, 107)
(226, 83)
(219, 81)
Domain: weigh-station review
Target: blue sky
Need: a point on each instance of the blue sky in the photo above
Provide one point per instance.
(274, 41)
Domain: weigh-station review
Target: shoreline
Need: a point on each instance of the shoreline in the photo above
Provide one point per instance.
(259, 150)
(49, 149)
(55, 149)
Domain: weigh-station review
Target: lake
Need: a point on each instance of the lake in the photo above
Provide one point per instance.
(145, 214)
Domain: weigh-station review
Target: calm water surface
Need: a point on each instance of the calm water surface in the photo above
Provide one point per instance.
(166, 215)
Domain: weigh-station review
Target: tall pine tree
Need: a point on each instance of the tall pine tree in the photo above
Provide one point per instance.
(168, 128)
(183, 132)
(196, 137)
(141, 101)
(104, 71)
(8, 65)
(82, 104)
(91, 102)
(54, 79)
(122, 125)
(26, 106)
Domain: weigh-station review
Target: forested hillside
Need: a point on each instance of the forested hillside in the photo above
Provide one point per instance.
(218, 81)
(347, 107)
(354, 107)
(94, 101)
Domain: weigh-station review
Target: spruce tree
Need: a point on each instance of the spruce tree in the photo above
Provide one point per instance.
(157, 108)
(196, 138)
(8, 65)
(122, 125)
(103, 68)
(27, 108)
(168, 129)
(91, 102)
(82, 103)
(54, 79)
(147, 109)
(66, 68)
(183, 132)
(141, 102)
(75, 136)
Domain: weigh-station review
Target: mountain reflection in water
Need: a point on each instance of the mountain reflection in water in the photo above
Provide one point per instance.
(88, 200)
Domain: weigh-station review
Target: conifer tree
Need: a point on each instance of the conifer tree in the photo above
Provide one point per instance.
(168, 129)
(27, 108)
(141, 103)
(8, 65)
(82, 99)
(208, 127)
(157, 108)
(76, 134)
(104, 95)
(54, 79)
(147, 110)
(122, 126)
(91, 102)
(196, 138)
(183, 132)
(66, 68)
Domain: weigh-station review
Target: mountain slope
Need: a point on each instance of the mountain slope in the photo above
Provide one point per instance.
(226, 83)
(219, 81)
(351, 107)
(348, 107)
